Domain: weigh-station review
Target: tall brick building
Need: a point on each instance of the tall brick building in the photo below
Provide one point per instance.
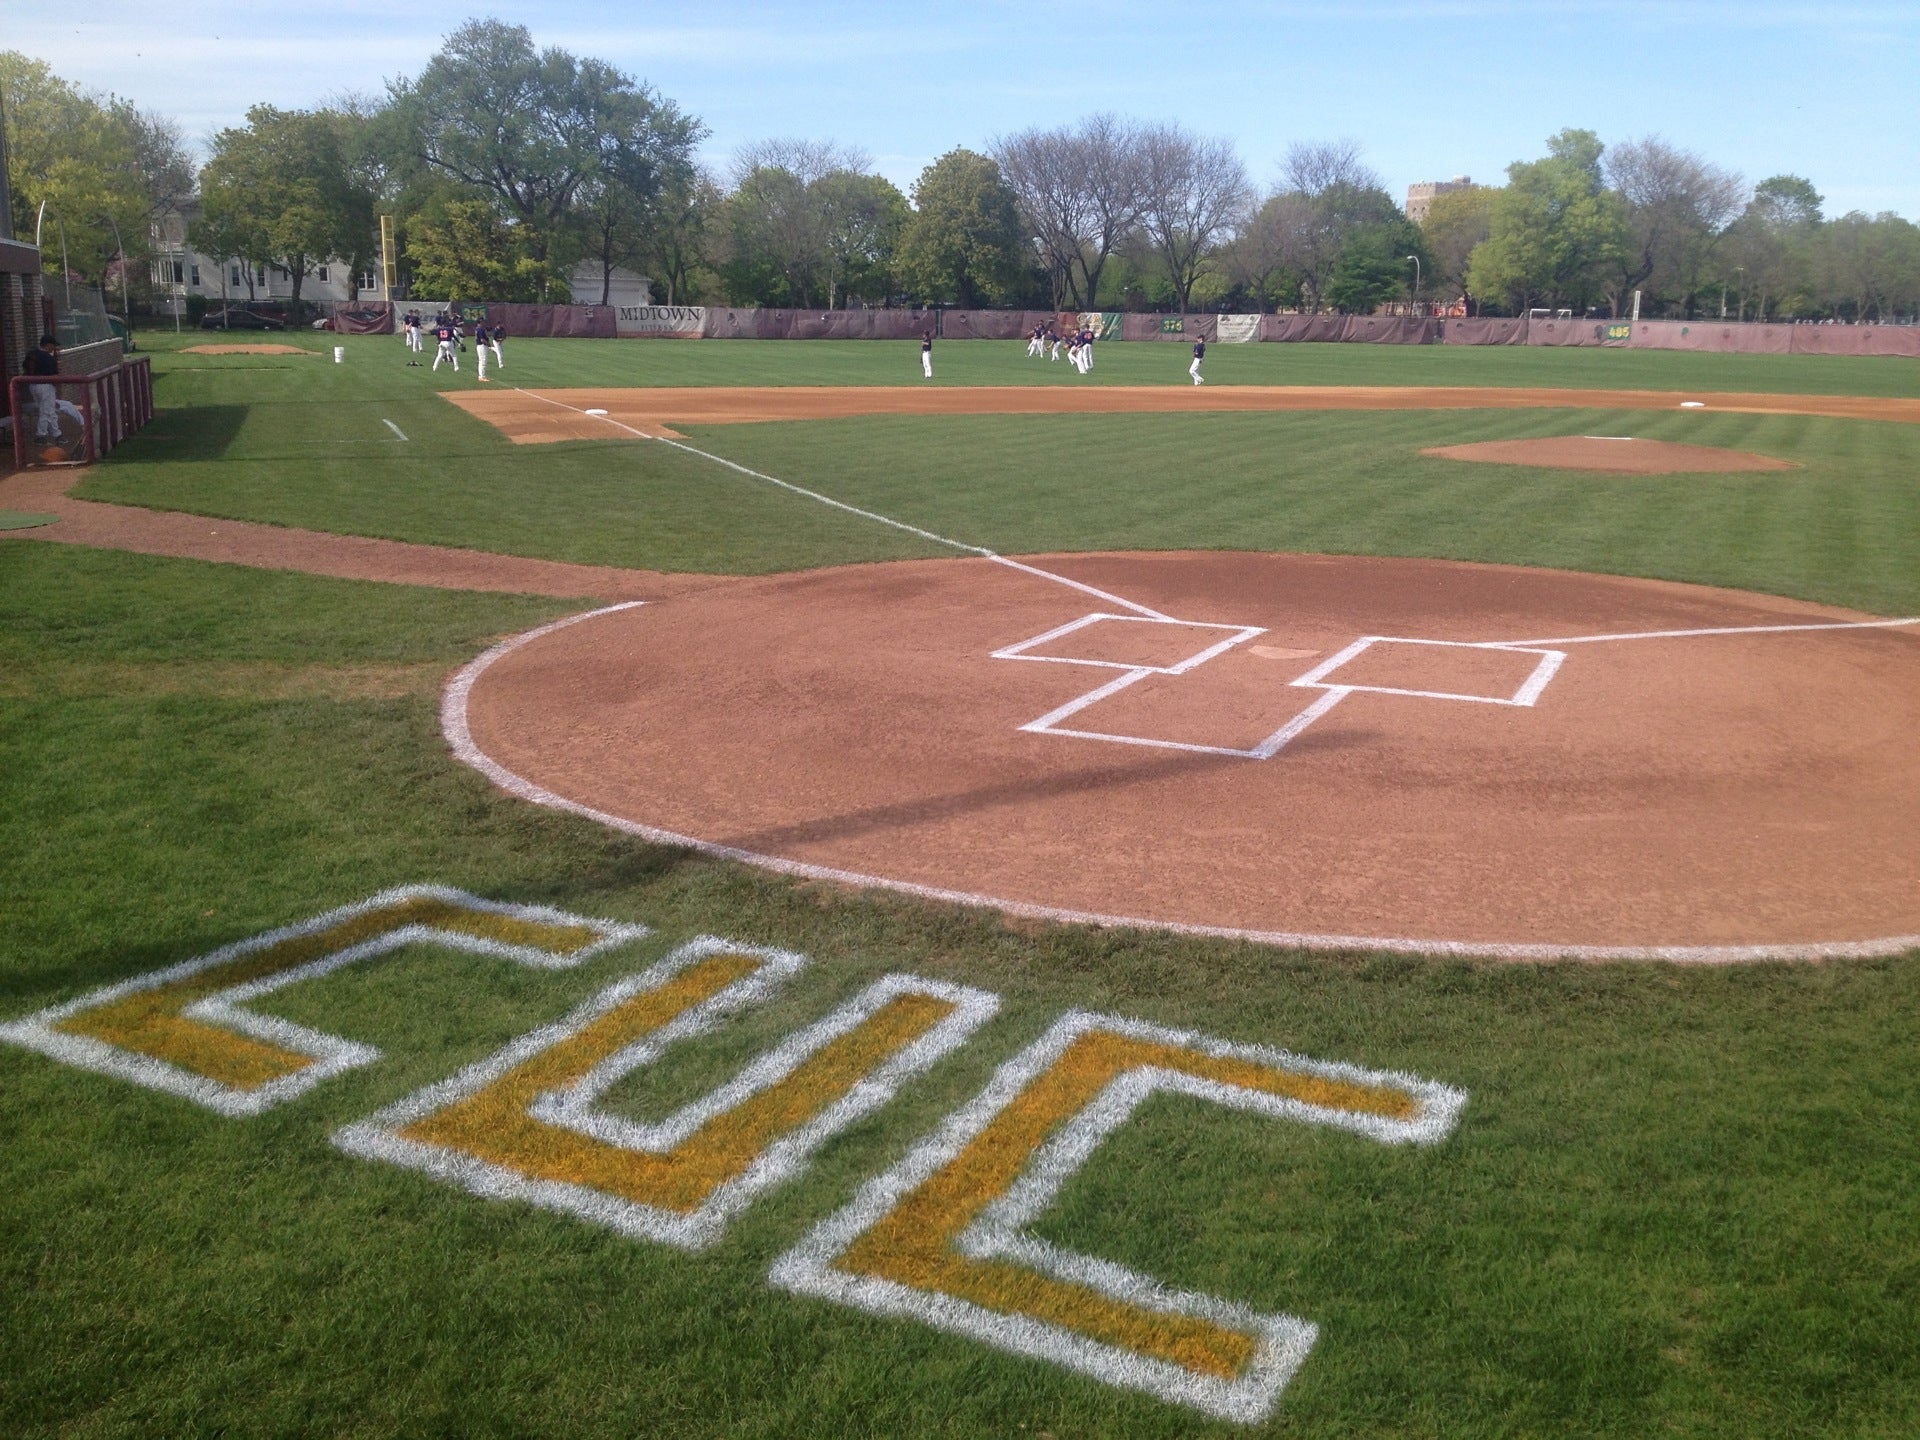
(1421, 195)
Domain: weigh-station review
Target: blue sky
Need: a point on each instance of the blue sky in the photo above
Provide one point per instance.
(1429, 90)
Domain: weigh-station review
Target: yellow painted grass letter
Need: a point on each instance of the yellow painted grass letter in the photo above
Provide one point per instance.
(525, 1123)
(946, 1235)
(182, 1029)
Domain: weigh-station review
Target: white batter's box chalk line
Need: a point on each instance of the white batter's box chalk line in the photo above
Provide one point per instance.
(1526, 693)
(1318, 678)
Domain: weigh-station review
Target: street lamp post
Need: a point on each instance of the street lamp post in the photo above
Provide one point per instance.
(126, 313)
(1740, 285)
(1416, 278)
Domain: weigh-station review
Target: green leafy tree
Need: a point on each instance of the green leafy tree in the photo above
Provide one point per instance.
(681, 232)
(964, 241)
(861, 220)
(1454, 226)
(458, 249)
(1769, 250)
(531, 128)
(80, 157)
(1374, 266)
(281, 191)
(1555, 233)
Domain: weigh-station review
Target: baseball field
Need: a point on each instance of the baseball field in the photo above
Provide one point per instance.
(726, 888)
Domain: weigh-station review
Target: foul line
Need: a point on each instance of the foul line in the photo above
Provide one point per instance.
(1721, 630)
(872, 515)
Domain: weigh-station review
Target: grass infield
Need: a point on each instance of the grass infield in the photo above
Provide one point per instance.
(1677, 1201)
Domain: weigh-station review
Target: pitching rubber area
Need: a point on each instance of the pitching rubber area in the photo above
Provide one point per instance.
(1407, 754)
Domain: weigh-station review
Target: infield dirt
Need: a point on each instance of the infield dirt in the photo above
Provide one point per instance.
(530, 417)
(1693, 791)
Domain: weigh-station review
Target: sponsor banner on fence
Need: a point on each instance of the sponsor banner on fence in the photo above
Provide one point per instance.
(683, 321)
(1238, 329)
(1105, 324)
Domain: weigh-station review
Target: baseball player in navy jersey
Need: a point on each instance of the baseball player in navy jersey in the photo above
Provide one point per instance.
(926, 353)
(1199, 354)
(481, 337)
(445, 335)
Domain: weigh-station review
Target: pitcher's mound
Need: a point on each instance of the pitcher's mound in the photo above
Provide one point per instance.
(1620, 454)
(244, 350)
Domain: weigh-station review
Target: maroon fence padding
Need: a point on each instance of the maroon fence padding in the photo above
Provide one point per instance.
(1301, 329)
(1566, 332)
(1855, 339)
(1484, 330)
(1722, 335)
(747, 323)
(592, 321)
(992, 324)
(1389, 330)
(363, 317)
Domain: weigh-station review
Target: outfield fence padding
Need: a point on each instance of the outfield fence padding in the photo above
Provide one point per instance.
(1484, 330)
(1735, 338)
(591, 321)
(992, 324)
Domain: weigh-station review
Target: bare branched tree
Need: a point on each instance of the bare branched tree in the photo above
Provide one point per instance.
(806, 160)
(1194, 194)
(1677, 207)
(1314, 167)
(1041, 167)
(1080, 191)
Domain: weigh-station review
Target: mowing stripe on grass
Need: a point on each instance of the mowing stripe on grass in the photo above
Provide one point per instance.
(961, 545)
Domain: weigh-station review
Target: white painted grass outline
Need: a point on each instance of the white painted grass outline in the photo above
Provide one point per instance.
(378, 1137)
(1002, 1229)
(393, 427)
(331, 1053)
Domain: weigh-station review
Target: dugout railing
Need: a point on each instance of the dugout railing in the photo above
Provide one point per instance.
(78, 419)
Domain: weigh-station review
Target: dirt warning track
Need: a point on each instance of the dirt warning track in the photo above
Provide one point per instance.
(1401, 753)
(532, 417)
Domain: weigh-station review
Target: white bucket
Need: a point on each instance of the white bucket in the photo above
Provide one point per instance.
(339, 354)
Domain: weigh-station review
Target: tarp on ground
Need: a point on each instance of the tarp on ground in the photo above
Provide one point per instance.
(1484, 330)
(1237, 329)
(672, 322)
(1188, 328)
(593, 321)
(363, 317)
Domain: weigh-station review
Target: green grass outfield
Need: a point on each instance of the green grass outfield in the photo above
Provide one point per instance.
(1679, 1201)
